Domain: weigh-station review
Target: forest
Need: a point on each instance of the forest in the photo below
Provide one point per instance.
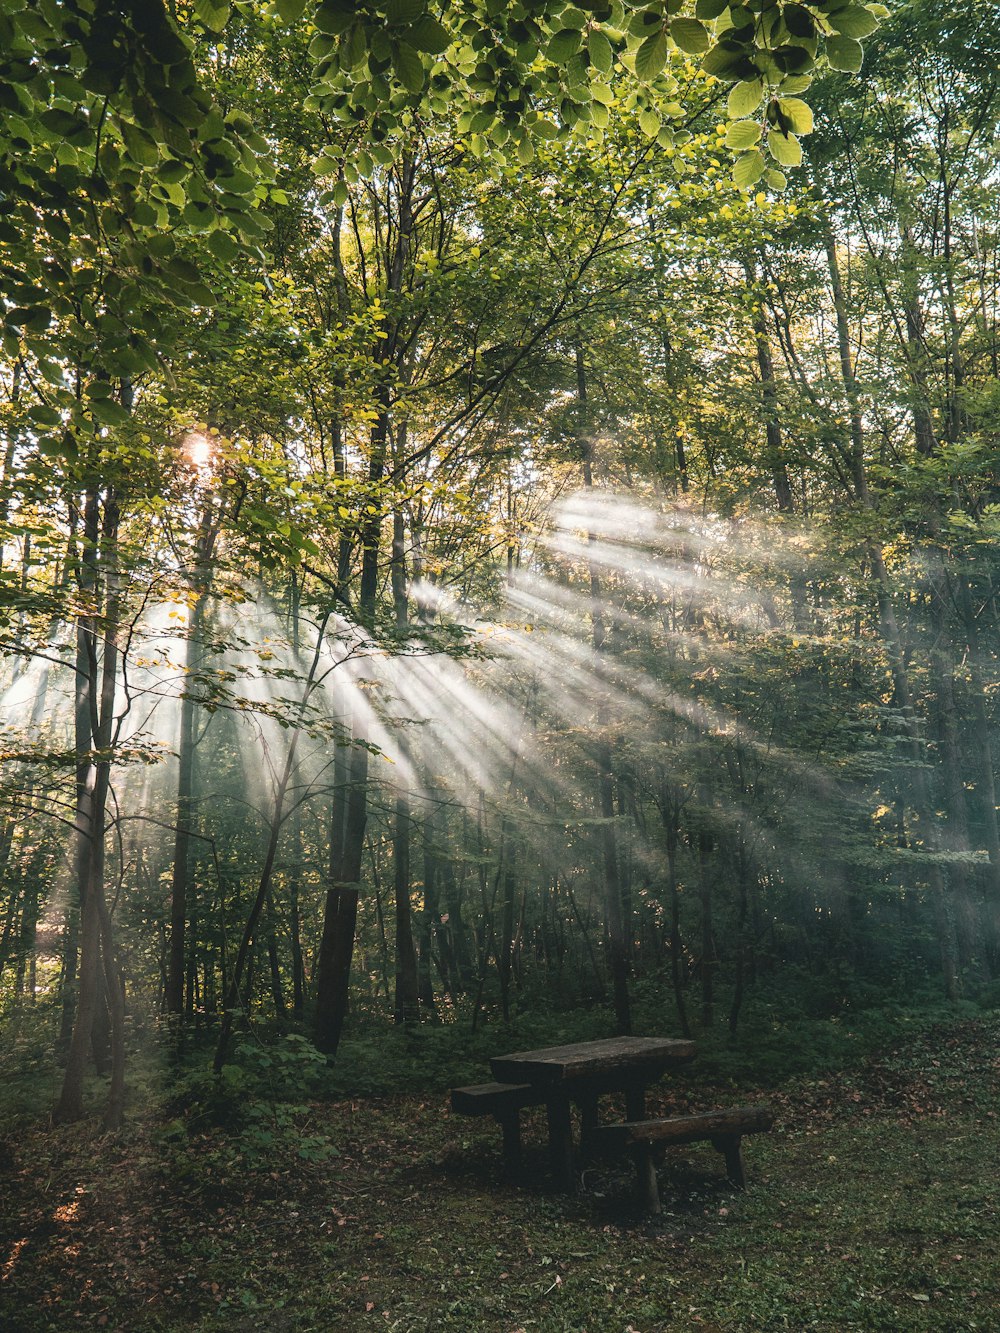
(498, 546)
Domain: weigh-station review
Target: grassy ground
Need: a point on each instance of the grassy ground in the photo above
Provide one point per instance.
(874, 1205)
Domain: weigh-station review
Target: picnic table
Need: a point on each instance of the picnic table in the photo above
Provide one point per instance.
(583, 1072)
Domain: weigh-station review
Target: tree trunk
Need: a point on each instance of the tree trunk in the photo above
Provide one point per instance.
(769, 393)
(617, 945)
(406, 1006)
(236, 999)
(207, 534)
(96, 682)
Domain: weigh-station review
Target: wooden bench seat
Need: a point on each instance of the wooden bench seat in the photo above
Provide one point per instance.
(647, 1140)
(504, 1102)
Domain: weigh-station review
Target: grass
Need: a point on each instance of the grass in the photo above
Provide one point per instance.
(873, 1206)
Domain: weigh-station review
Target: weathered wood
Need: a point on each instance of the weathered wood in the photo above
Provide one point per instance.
(581, 1072)
(686, 1128)
(617, 1061)
(731, 1147)
(560, 1141)
(647, 1140)
(496, 1099)
(647, 1188)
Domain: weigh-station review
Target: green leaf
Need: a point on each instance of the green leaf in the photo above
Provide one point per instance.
(797, 114)
(854, 21)
(727, 60)
(601, 54)
(408, 66)
(572, 17)
(183, 270)
(42, 415)
(649, 123)
(710, 9)
(38, 320)
(743, 134)
(564, 44)
(174, 192)
(108, 412)
(776, 179)
(745, 98)
(429, 35)
(844, 53)
(784, 148)
(404, 11)
(61, 123)
(223, 246)
(651, 56)
(748, 169)
(291, 10)
(794, 59)
(213, 13)
(690, 35)
(196, 293)
(798, 21)
(139, 145)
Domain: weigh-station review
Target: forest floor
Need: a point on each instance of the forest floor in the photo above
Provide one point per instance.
(875, 1204)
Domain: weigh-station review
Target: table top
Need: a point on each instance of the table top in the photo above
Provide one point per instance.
(615, 1060)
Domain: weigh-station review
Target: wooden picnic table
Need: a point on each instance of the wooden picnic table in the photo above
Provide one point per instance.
(581, 1073)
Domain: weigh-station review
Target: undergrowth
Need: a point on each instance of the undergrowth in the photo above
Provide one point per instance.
(872, 1206)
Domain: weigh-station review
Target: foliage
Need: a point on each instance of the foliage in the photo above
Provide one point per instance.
(439, 450)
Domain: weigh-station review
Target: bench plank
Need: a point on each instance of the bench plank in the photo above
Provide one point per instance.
(688, 1128)
(494, 1098)
(646, 1140)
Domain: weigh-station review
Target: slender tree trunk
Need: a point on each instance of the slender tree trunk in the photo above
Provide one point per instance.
(295, 918)
(99, 980)
(428, 917)
(406, 1007)
(273, 962)
(676, 970)
(742, 912)
(237, 998)
(708, 959)
(506, 943)
(617, 946)
(336, 950)
(769, 392)
(176, 969)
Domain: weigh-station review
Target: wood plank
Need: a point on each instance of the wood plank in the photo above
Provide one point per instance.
(686, 1128)
(497, 1099)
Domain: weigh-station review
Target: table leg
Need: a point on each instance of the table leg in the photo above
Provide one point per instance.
(561, 1141)
(635, 1103)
